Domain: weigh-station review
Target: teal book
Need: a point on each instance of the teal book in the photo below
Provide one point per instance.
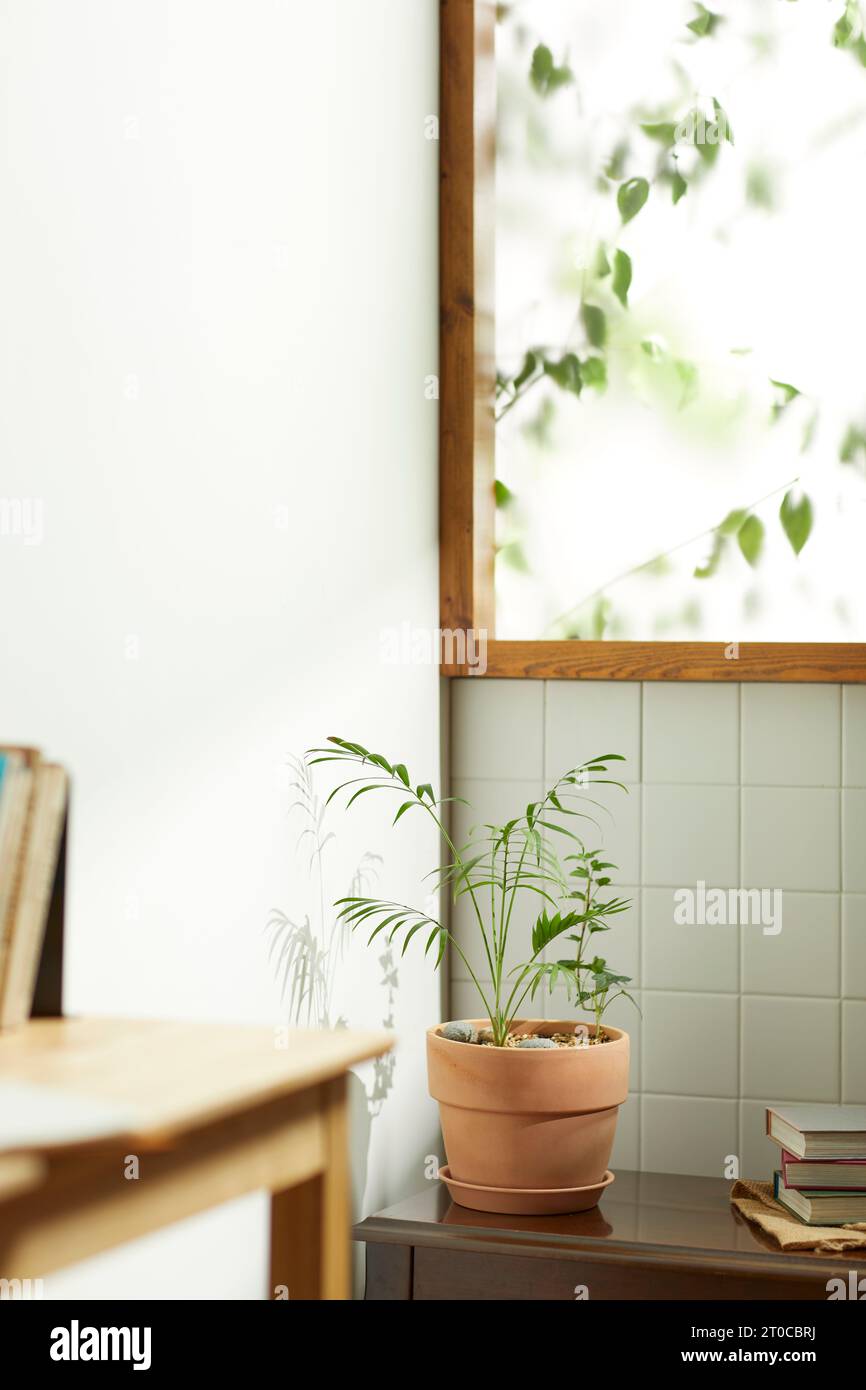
(15, 780)
(820, 1207)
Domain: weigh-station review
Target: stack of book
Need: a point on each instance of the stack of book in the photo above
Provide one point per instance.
(822, 1179)
(33, 797)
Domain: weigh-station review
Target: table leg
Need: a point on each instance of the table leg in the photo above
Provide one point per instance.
(310, 1223)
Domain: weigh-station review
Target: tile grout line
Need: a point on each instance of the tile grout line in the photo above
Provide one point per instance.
(842, 1011)
(544, 708)
(842, 1000)
(545, 693)
(641, 755)
(741, 852)
(453, 958)
(786, 998)
(699, 784)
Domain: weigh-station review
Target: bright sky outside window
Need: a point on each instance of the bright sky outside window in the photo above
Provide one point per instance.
(681, 402)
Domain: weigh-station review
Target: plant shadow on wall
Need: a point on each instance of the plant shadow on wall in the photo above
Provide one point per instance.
(309, 956)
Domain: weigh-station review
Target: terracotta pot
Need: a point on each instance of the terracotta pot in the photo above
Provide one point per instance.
(528, 1118)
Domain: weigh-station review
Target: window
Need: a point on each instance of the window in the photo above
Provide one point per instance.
(675, 482)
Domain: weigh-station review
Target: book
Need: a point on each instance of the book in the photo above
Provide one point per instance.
(832, 1175)
(819, 1131)
(32, 756)
(7, 771)
(32, 898)
(819, 1208)
(16, 779)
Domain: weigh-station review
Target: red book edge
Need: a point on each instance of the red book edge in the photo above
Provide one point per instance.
(798, 1187)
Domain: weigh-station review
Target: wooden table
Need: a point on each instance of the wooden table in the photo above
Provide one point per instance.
(654, 1236)
(211, 1112)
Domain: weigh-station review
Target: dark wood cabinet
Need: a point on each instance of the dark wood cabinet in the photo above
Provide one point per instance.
(655, 1236)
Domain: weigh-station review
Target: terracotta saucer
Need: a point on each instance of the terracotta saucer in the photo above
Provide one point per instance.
(525, 1201)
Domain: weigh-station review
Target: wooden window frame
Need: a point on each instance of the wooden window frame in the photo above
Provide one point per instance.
(466, 429)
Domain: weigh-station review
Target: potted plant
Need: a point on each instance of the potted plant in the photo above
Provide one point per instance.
(528, 1107)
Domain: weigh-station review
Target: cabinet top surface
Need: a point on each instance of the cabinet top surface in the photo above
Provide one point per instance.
(642, 1216)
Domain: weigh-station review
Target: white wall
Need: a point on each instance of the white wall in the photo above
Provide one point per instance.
(220, 304)
(738, 786)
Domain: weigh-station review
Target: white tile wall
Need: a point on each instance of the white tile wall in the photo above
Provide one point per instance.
(591, 716)
(790, 837)
(615, 828)
(854, 945)
(790, 1048)
(753, 786)
(691, 834)
(626, 1148)
(514, 740)
(682, 957)
(803, 958)
(854, 736)
(758, 1154)
(707, 1130)
(792, 735)
(691, 734)
(690, 1043)
(854, 841)
(854, 1052)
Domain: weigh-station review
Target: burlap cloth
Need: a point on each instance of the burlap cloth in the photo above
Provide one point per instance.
(755, 1201)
